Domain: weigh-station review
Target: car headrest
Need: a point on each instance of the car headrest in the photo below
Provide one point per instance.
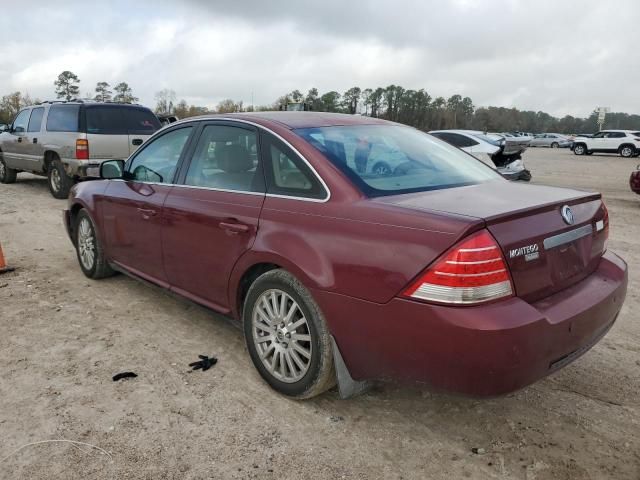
(234, 159)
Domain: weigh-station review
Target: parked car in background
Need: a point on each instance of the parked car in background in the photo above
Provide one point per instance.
(503, 153)
(442, 272)
(625, 143)
(552, 140)
(67, 141)
(167, 119)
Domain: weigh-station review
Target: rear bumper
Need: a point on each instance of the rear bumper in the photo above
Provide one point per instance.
(486, 350)
(83, 168)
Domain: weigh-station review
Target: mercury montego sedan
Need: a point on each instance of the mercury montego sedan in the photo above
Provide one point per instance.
(436, 270)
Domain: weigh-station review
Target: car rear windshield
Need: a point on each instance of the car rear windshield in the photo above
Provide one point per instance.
(115, 120)
(390, 159)
(63, 118)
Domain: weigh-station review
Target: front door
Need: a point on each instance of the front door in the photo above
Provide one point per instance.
(14, 144)
(132, 207)
(211, 219)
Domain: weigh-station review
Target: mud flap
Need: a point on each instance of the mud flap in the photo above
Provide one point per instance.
(347, 386)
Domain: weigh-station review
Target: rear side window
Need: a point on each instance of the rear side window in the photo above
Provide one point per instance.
(35, 122)
(141, 121)
(113, 120)
(287, 174)
(63, 118)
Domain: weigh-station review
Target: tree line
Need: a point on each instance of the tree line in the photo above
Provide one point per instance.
(411, 107)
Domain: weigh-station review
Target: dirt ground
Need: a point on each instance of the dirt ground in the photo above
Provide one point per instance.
(62, 338)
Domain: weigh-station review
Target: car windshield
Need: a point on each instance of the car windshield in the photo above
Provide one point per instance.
(389, 159)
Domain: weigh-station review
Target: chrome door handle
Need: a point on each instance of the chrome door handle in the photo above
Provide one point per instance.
(234, 227)
(147, 213)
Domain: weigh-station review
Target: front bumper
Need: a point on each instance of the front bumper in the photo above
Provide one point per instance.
(485, 350)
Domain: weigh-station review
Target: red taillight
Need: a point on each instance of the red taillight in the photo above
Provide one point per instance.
(82, 149)
(473, 271)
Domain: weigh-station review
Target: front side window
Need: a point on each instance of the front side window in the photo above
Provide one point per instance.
(20, 123)
(416, 161)
(35, 122)
(287, 174)
(226, 158)
(63, 118)
(158, 160)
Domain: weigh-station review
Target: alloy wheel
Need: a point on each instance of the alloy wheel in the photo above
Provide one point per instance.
(3, 169)
(626, 152)
(55, 180)
(86, 244)
(579, 150)
(281, 336)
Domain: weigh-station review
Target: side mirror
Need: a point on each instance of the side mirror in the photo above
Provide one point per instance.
(111, 169)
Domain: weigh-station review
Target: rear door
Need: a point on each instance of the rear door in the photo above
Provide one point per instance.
(211, 218)
(132, 207)
(34, 146)
(141, 124)
(116, 131)
(107, 132)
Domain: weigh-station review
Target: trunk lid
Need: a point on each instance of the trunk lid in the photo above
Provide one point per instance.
(545, 254)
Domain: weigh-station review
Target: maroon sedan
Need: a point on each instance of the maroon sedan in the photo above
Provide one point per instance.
(433, 269)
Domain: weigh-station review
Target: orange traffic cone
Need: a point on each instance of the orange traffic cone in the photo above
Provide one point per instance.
(3, 265)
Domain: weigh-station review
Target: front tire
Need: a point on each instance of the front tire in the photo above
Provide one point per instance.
(7, 175)
(287, 336)
(89, 248)
(580, 149)
(58, 180)
(554, 145)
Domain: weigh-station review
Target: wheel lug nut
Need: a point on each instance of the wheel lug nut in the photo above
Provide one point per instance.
(288, 335)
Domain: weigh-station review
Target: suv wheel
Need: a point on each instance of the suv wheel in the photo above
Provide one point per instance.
(7, 175)
(89, 249)
(580, 149)
(627, 151)
(59, 181)
(287, 336)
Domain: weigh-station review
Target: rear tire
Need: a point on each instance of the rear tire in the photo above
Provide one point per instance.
(58, 180)
(287, 336)
(89, 248)
(580, 149)
(7, 175)
(627, 151)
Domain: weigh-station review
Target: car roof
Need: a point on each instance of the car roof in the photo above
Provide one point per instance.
(294, 120)
(614, 130)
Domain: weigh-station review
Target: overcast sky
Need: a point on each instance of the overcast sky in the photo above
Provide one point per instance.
(561, 56)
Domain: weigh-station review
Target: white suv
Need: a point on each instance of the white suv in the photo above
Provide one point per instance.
(626, 143)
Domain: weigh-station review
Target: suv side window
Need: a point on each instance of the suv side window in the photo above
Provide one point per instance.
(617, 135)
(226, 158)
(287, 174)
(20, 123)
(35, 122)
(158, 160)
(63, 118)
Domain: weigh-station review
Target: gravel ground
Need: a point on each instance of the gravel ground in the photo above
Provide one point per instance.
(63, 337)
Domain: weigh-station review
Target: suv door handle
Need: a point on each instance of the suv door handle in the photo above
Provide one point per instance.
(136, 141)
(147, 213)
(19, 139)
(35, 140)
(234, 227)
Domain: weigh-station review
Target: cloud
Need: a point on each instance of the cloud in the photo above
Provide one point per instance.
(561, 57)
